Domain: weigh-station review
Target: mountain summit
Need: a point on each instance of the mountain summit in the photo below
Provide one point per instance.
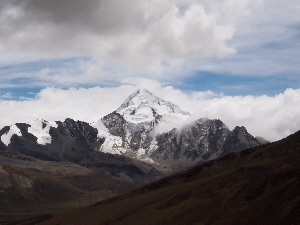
(135, 130)
(143, 106)
(130, 130)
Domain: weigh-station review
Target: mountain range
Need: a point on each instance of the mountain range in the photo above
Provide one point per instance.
(259, 185)
(144, 127)
(145, 139)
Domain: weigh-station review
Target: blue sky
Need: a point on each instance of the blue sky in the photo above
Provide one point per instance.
(233, 85)
(214, 49)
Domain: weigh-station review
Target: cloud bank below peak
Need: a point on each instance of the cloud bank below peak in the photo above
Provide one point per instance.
(272, 117)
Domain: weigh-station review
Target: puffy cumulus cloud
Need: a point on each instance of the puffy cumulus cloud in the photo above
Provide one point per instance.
(272, 117)
(131, 32)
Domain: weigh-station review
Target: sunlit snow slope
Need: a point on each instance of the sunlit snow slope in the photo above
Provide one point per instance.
(143, 106)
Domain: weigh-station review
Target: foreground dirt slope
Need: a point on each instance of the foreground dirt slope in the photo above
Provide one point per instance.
(256, 186)
(31, 187)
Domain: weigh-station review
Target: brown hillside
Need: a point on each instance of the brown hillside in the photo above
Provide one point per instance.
(31, 187)
(256, 186)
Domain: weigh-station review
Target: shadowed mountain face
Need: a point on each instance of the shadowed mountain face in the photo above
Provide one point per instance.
(256, 186)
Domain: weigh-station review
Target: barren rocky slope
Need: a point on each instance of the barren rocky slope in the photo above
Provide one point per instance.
(30, 187)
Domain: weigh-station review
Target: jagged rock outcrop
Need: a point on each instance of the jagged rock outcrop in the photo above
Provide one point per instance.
(199, 142)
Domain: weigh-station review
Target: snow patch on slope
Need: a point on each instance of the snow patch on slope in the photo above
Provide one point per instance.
(153, 146)
(102, 130)
(115, 145)
(112, 144)
(40, 129)
(141, 155)
(5, 138)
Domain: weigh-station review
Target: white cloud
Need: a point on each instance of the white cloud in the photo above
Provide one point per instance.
(270, 117)
(6, 95)
(151, 35)
(157, 39)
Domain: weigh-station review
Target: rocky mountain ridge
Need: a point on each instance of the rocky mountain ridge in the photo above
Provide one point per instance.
(134, 129)
(130, 131)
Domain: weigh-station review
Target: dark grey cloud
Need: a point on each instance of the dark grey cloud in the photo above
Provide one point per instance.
(113, 30)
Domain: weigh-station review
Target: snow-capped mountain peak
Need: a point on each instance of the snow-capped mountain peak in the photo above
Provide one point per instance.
(143, 106)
